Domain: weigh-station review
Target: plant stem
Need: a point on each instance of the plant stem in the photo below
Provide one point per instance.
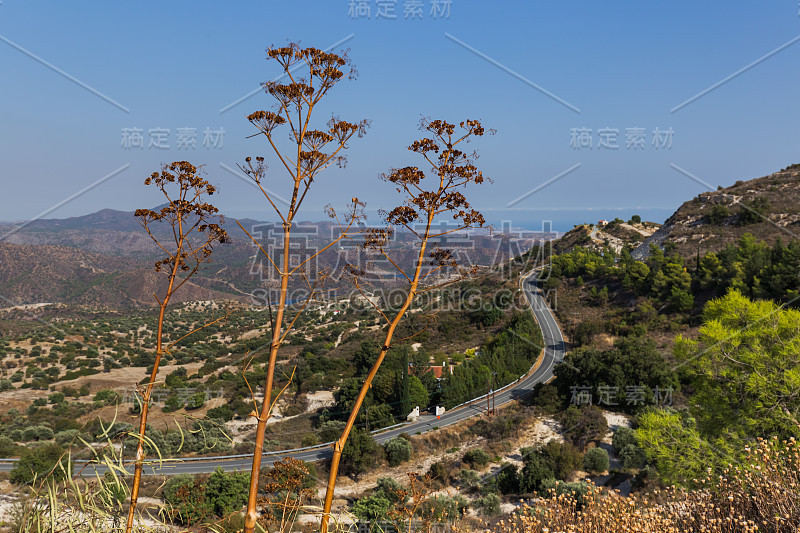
(266, 406)
(339, 444)
(137, 474)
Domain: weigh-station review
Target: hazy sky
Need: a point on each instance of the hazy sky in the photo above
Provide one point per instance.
(707, 89)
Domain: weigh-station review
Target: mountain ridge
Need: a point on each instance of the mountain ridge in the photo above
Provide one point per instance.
(767, 207)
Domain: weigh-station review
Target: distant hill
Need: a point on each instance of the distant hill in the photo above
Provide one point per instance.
(106, 258)
(766, 207)
(45, 273)
(107, 231)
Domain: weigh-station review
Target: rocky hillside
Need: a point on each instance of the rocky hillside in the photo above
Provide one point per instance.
(766, 207)
(615, 234)
(32, 274)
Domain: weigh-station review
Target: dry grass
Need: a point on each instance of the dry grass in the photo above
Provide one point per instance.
(760, 494)
(437, 441)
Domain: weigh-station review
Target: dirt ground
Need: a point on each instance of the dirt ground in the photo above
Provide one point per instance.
(537, 433)
(320, 399)
(122, 380)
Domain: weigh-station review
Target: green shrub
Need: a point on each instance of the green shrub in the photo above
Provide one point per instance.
(476, 458)
(374, 507)
(583, 425)
(106, 397)
(754, 211)
(186, 498)
(67, 437)
(489, 505)
(226, 492)
(576, 490)
(391, 489)
(632, 456)
(8, 448)
(223, 413)
(56, 397)
(331, 430)
(563, 458)
(718, 214)
(44, 460)
(623, 437)
(438, 472)
(36, 433)
(360, 452)
(508, 480)
(596, 461)
(443, 508)
(172, 403)
(398, 450)
(176, 378)
(309, 439)
(536, 472)
(468, 479)
(196, 401)
(547, 398)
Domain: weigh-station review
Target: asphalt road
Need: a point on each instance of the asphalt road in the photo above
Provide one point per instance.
(554, 350)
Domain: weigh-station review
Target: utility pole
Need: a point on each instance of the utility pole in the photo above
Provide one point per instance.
(488, 395)
(494, 388)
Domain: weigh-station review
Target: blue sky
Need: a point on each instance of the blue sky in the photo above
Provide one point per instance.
(614, 65)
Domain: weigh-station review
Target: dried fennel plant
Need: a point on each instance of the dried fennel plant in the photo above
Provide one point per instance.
(425, 197)
(195, 229)
(310, 74)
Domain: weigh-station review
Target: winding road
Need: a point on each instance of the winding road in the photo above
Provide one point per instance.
(554, 350)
